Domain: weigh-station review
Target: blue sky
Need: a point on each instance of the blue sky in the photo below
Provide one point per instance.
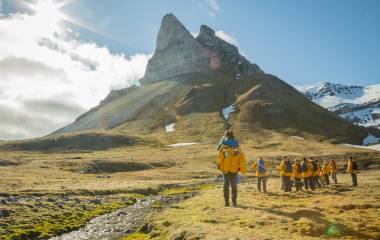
(302, 42)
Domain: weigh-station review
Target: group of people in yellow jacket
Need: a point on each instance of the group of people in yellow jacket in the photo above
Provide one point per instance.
(309, 170)
(231, 161)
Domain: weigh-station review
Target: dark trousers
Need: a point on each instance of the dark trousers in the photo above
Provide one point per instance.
(354, 179)
(287, 185)
(317, 183)
(229, 179)
(333, 175)
(309, 183)
(262, 181)
(298, 184)
(327, 179)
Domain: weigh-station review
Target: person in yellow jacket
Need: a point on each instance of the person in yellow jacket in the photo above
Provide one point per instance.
(352, 168)
(316, 171)
(261, 167)
(281, 174)
(325, 172)
(307, 174)
(334, 170)
(231, 160)
(297, 175)
(286, 172)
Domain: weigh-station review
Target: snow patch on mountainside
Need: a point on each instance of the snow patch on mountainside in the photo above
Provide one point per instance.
(363, 117)
(372, 147)
(227, 111)
(370, 139)
(182, 144)
(170, 127)
(297, 137)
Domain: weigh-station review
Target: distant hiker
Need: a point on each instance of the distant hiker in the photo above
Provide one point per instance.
(325, 172)
(297, 175)
(307, 174)
(261, 168)
(286, 168)
(352, 168)
(333, 169)
(231, 160)
(316, 170)
(281, 174)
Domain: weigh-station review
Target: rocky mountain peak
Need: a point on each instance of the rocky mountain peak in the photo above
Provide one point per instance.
(331, 89)
(206, 32)
(171, 31)
(178, 54)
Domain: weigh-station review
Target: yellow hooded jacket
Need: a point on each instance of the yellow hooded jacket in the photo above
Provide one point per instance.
(349, 168)
(325, 169)
(231, 159)
(260, 174)
(309, 171)
(317, 172)
(281, 168)
(296, 173)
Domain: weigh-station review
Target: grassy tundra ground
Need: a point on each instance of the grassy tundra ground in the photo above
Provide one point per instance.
(335, 211)
(48, 193)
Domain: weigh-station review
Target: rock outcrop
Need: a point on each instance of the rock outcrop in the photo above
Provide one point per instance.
(178, 53)
(224, 54)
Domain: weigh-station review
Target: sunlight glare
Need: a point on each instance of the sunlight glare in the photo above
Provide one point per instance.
(48, 15)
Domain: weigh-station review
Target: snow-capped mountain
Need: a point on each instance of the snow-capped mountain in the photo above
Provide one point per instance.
(358, 104)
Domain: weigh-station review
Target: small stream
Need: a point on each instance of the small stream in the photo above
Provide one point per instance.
(123, 221)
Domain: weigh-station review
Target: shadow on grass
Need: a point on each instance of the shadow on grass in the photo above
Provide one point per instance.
(340, 230)
(332, 190)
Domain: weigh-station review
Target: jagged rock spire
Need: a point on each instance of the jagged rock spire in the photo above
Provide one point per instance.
(171, 31)
(178, 53)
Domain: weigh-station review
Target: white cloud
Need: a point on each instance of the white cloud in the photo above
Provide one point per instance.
(213, 4)
(214, 7)
(226, 37)
(194, 34)
(48, 77)
(212, 14)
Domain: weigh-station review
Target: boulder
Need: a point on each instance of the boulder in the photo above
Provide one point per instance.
(4, 213)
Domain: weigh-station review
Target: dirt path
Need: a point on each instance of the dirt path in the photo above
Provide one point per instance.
(124, 221)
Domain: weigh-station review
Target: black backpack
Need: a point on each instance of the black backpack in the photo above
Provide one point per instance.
(300, 168)
(288, 166)
(355, 165)
(315, 166)
(303, 167)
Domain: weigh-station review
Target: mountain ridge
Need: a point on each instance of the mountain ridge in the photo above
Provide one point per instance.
(357, 104)
(190, 82)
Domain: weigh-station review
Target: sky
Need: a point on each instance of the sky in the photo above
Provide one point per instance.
(60, 58)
